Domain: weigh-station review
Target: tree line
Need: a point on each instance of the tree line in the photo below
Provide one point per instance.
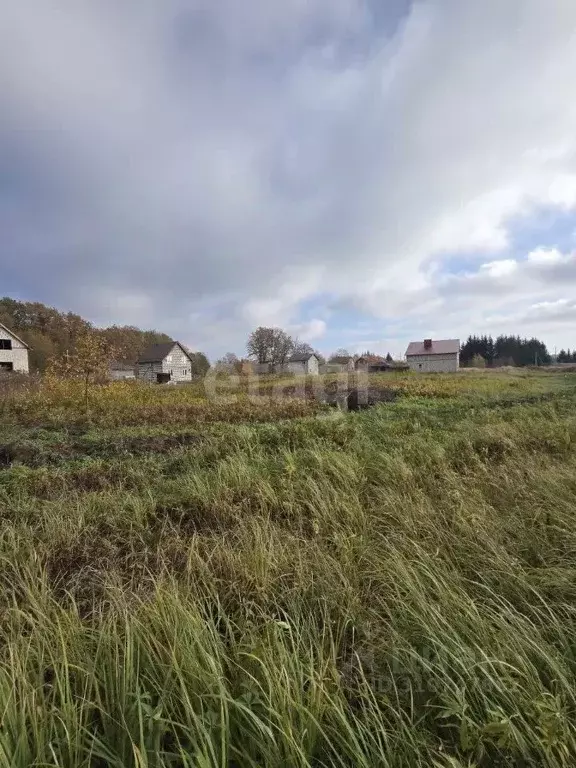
(566, 356)
(53, 335)
(504, 350)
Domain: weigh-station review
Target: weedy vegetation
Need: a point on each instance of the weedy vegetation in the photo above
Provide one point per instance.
(265, 581)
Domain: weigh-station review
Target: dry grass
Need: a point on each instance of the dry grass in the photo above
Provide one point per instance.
(61, 403)
(393, 588)
(238, 399)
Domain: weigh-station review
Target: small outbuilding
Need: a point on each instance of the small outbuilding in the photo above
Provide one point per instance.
(169, 362)
(306, 364)
(434, 356)
(373, 364)
(341, 363)
(121, 371)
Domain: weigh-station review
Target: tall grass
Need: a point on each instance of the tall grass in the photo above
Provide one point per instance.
(61, 403)
(391, 588)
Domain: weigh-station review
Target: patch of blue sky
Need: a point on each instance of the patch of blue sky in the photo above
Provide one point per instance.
(547, 227)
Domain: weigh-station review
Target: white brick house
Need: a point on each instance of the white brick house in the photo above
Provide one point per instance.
(163, 363)
(430, 356)
(13, 352)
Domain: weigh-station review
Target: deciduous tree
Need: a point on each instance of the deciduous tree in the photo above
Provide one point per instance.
(340, 352)
(302, 348)
(51, 333)
(89, 362)
(270, 345)
(200, 363)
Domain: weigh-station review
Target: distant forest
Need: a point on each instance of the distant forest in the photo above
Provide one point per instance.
(51, 334)
(504, 350)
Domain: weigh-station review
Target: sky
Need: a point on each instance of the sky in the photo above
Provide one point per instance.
(359, 172)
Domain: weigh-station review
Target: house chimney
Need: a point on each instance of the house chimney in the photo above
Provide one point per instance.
(427, 343)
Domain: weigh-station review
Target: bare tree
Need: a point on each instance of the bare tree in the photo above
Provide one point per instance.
(230, 358)
(260, 343)
(228, 362)
(270, 345)
(302, 348)
(341, 352)
(282, 347)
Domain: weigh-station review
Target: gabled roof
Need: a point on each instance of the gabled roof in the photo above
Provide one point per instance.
(157, 352)
(301, 357)
(439, 347)
(11, 333)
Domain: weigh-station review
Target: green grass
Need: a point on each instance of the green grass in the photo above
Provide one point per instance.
(390, 588)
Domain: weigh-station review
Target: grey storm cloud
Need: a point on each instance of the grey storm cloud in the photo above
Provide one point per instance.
(206, 166)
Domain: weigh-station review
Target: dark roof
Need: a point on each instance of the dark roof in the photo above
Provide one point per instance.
(439, 347)
(301, 357)
(157, 352)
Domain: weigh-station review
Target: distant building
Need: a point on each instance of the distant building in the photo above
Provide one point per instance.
(434, 356)
(121, 371)
(305, 364)
(373, 364)
(263, 369)
(340, 364)
(13, 352)
(241, 367)
(164, 363)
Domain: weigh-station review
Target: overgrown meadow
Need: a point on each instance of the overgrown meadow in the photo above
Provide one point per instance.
(243, 576)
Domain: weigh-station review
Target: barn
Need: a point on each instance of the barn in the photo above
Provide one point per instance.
(303, 364)
(434, 356)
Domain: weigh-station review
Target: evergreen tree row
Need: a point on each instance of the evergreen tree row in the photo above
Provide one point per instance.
(504, 350)
(565, 356)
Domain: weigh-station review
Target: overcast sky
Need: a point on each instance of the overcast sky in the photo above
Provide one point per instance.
(358, 175)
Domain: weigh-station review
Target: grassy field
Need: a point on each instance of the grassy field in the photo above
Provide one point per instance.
(265, 581)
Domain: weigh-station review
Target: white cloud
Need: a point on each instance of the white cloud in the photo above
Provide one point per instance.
(547, 256)
(311, 331)
(234, 160)
(501, 268)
